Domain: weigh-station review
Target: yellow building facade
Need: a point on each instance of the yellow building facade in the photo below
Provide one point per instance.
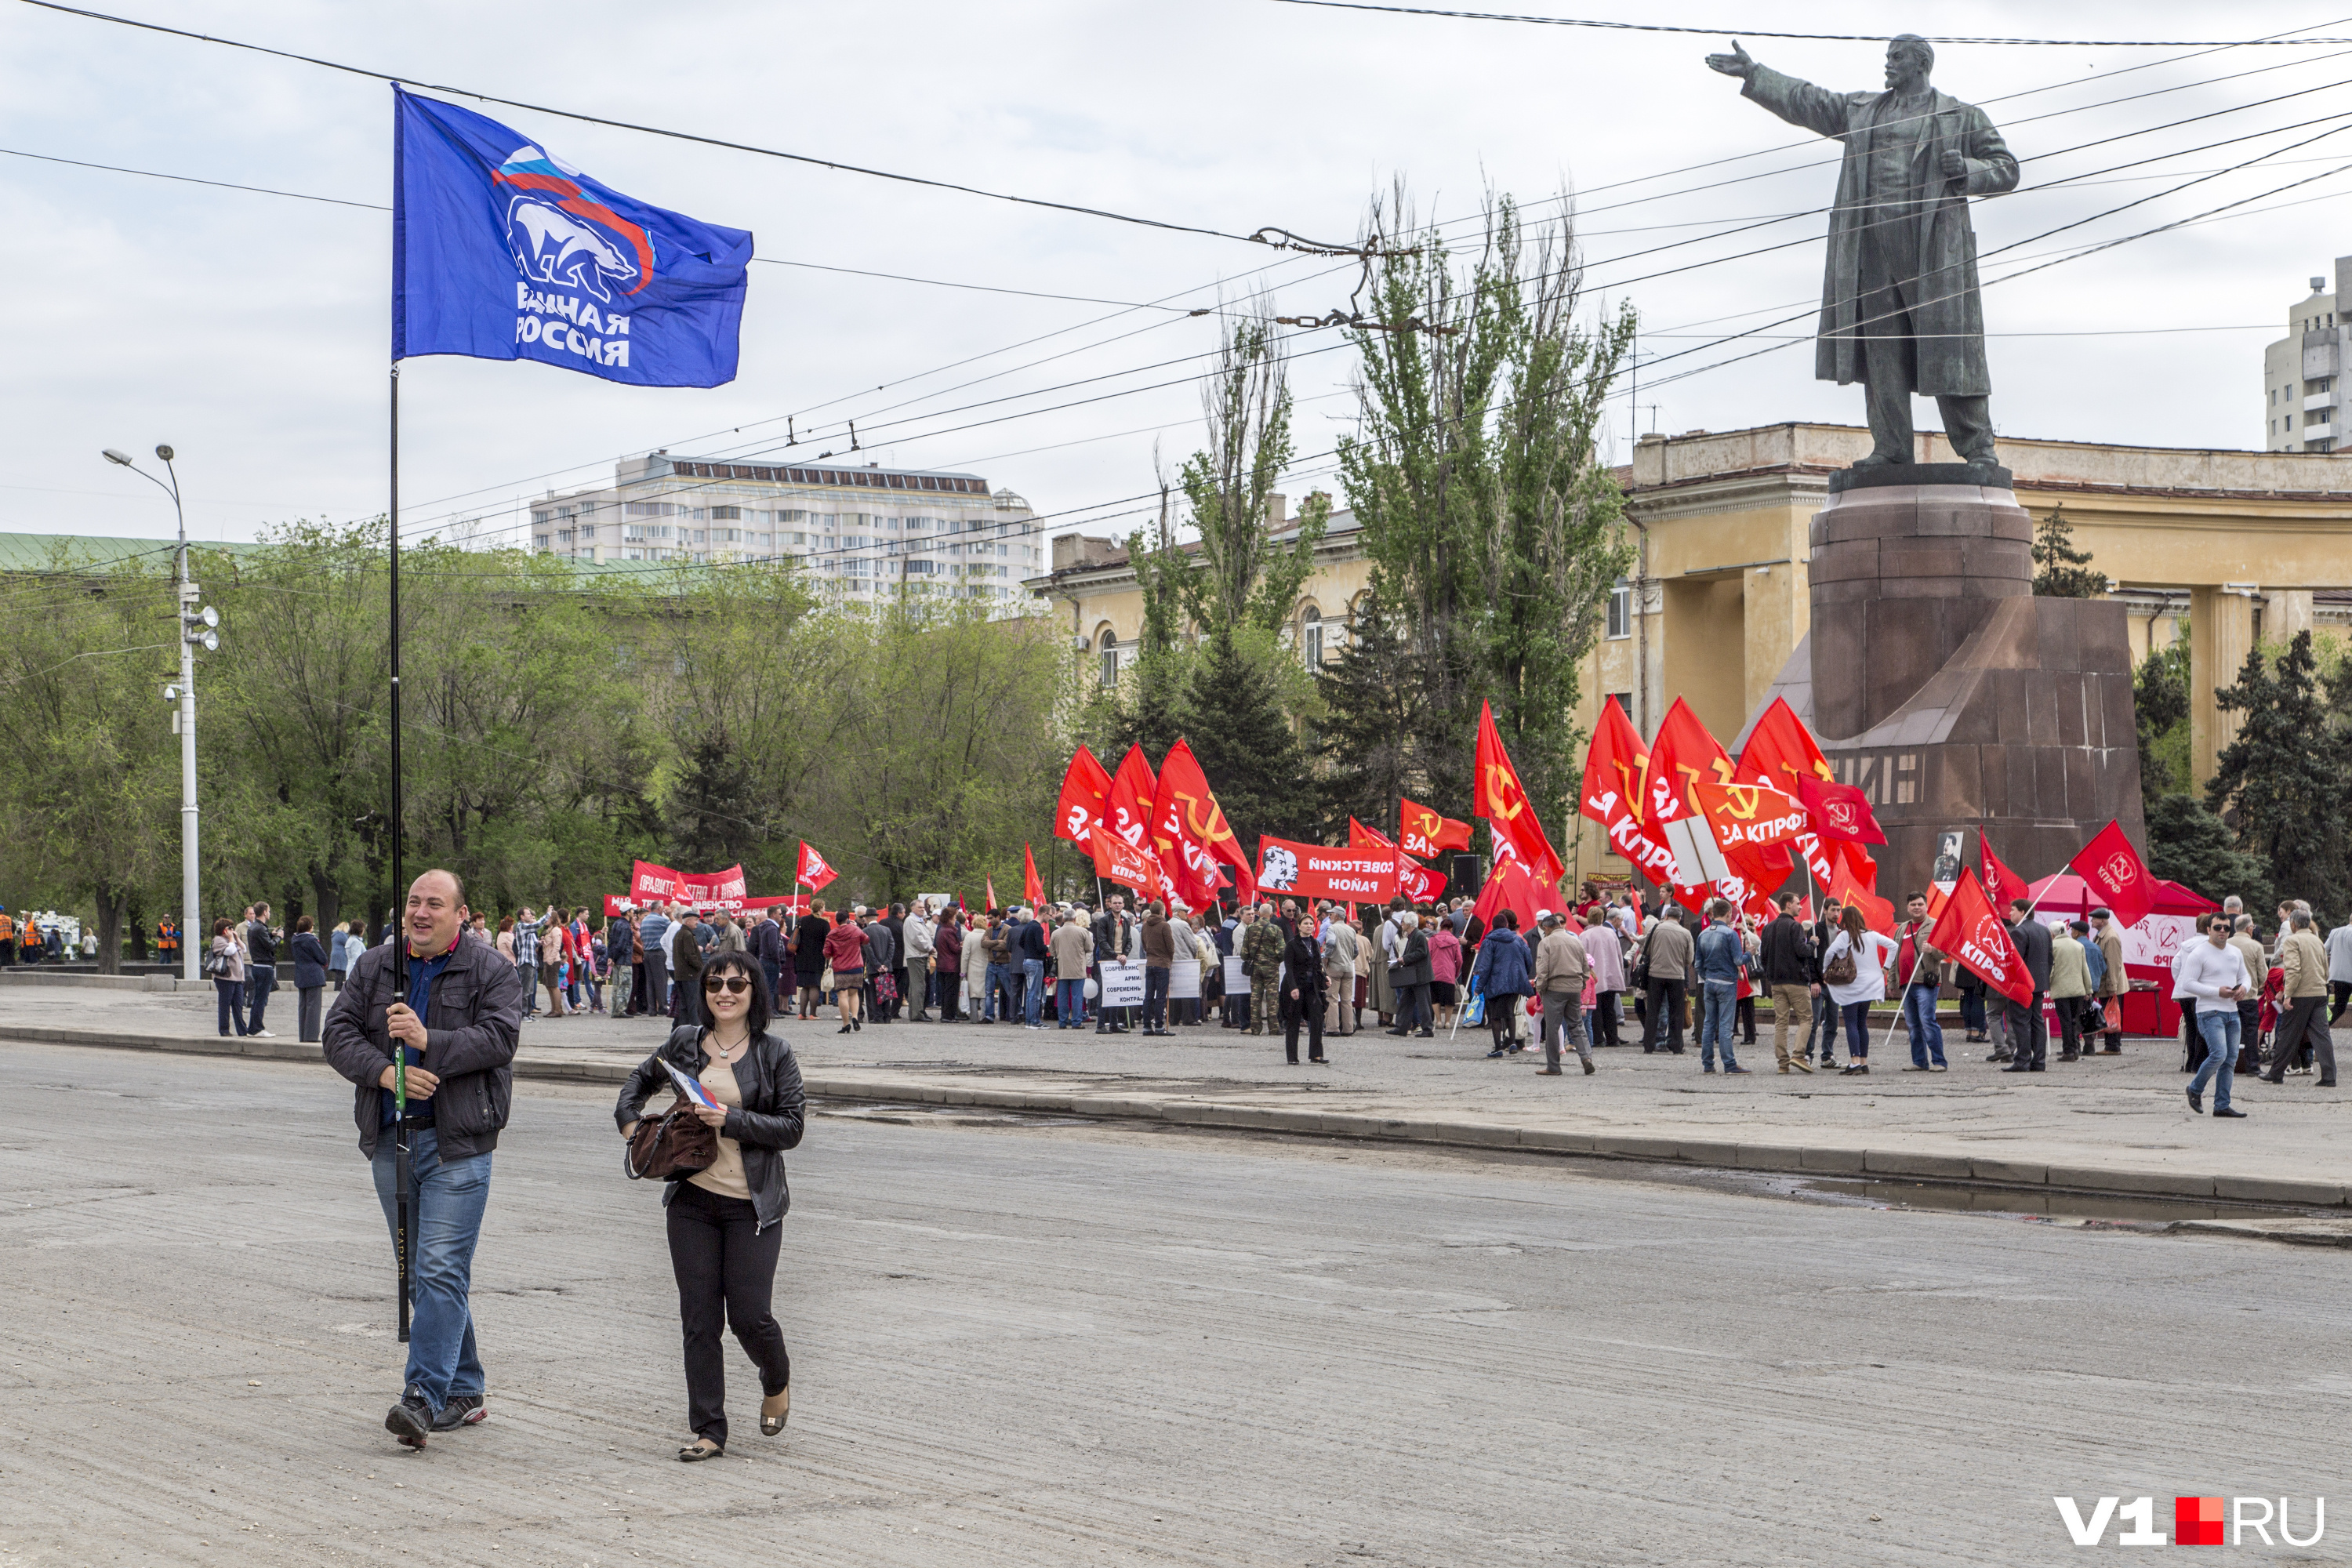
(2227, 548)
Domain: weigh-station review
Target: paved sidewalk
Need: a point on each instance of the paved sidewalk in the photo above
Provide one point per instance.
(2113, 1124)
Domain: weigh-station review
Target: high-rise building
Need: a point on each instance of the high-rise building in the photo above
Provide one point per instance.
(865, 531)
(2302, 372)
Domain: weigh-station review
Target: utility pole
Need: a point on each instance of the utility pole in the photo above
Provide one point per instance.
(196, 627)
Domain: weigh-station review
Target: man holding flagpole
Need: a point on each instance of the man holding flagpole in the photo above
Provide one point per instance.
(454, 1027)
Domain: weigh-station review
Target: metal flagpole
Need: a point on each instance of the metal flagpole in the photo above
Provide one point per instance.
(401, 1174)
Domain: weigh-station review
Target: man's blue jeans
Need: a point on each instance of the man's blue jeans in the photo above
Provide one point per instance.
(1070, 1004)
(444, 1221)
(260, 979)
(1825, 1025)
(1033, 990)
(997, 981)
(1719, 1001)
(2218, 1021)
(1919, 1023)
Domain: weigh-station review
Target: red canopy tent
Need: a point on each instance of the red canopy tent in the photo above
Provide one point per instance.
(2148, 947)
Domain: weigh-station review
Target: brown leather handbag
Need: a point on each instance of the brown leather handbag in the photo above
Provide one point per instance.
(674, 1144)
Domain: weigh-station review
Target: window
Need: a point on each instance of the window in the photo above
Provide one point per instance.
(1110, 655)
(1310, 638)
(646, 509)
(1623, 699)
(726, 514)
(1620, 609)
(539, 541)
(542, 517)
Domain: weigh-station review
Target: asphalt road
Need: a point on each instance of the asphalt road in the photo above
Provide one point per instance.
(1027, 1343)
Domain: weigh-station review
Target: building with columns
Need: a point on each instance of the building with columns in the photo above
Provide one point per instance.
(2224, 548)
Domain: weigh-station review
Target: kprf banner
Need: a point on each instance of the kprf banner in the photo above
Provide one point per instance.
(1749, 817)
(1970, 930)
(813, 868)
(649, 882)
(1615, 764)
(1840, 811)
(2000, 883)
(1320, 871)
(1116, 860)
(501, 250)
(2117, 877)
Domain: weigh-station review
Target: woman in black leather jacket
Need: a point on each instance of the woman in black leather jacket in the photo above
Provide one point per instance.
(724, 1232)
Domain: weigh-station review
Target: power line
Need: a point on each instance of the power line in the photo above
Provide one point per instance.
(1821, 37)
(1284, 239)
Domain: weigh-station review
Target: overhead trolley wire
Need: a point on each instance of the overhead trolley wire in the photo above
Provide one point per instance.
(1268, 234)
(1820, 37)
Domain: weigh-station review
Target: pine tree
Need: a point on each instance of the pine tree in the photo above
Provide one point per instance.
(1373, 709)
(2278, 784)
(1234, 721)
(2061, 571)
(2159, 706)
(2189, 845)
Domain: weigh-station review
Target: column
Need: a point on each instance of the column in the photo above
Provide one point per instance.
(2220, 633)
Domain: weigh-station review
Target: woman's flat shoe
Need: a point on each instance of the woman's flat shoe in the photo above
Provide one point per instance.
(773, 1412)
(701, 1448)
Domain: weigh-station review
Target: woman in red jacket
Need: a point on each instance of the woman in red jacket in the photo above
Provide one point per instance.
(845, 950)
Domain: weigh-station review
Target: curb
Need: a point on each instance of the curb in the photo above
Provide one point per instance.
(1190, 1112)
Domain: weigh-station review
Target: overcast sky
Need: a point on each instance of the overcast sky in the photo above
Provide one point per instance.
(251, 331)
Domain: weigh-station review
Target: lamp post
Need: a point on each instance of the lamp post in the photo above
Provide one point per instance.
(196, 627)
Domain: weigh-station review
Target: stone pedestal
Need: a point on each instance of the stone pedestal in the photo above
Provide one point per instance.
(1938, 683)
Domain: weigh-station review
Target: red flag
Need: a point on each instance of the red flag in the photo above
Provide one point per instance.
(1084, 786)
(1424, 832)
(2000, 883)
(1181, 780)
(2116, 875)
(1416, 881)
(990, 883)
(1749, 816)
(1362, 837)
(1614, 766)
(1971, 929)
(1508, 887)
(1781, 752)
(1127, 808)
(1840, 811)
(1876, 912)
(1116, 860)
(1687, 755)
(1032, 889)
(1503, 800)
(1190, 867)
(813, 868)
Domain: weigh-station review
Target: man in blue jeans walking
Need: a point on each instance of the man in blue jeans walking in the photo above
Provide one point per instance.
(456, 1023)
(1920, 969)
(1720, 960)
(2213, 971)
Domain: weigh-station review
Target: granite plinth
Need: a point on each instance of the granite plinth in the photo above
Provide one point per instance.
(1938, 684)
(1990, 476)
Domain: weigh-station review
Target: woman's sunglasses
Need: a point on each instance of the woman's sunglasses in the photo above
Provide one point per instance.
(735, 983)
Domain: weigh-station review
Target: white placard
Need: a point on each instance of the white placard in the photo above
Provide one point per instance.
(1236, 976)
(1184, 979)
(1122, 982)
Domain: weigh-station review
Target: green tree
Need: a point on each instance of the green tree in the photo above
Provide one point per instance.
(2192, 847)
(2280, 784)
(90, 786)
(1493, 527)
(1245, 744)
(1245, 577)
(2061, 571)
(1372, 718)
(2160, 709)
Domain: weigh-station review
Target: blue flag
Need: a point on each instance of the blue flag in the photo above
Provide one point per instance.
(499, 251)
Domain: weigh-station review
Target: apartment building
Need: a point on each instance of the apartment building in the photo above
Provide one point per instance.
(864, 532)
(2302, 372)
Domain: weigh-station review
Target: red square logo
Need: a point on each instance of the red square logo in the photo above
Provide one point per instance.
(2197, 1521)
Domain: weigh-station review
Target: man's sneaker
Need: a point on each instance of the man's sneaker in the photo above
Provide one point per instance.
(463, 1410)
(411, 1420)
(264, 1033)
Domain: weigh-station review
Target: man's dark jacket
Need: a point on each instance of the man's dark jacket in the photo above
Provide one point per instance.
(685, 956)
(1788, 955)
(2032, 938)
(1031, 942)
(472, 1021)
(1110, 935)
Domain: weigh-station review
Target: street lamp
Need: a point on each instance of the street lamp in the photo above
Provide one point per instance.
(196, 630)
